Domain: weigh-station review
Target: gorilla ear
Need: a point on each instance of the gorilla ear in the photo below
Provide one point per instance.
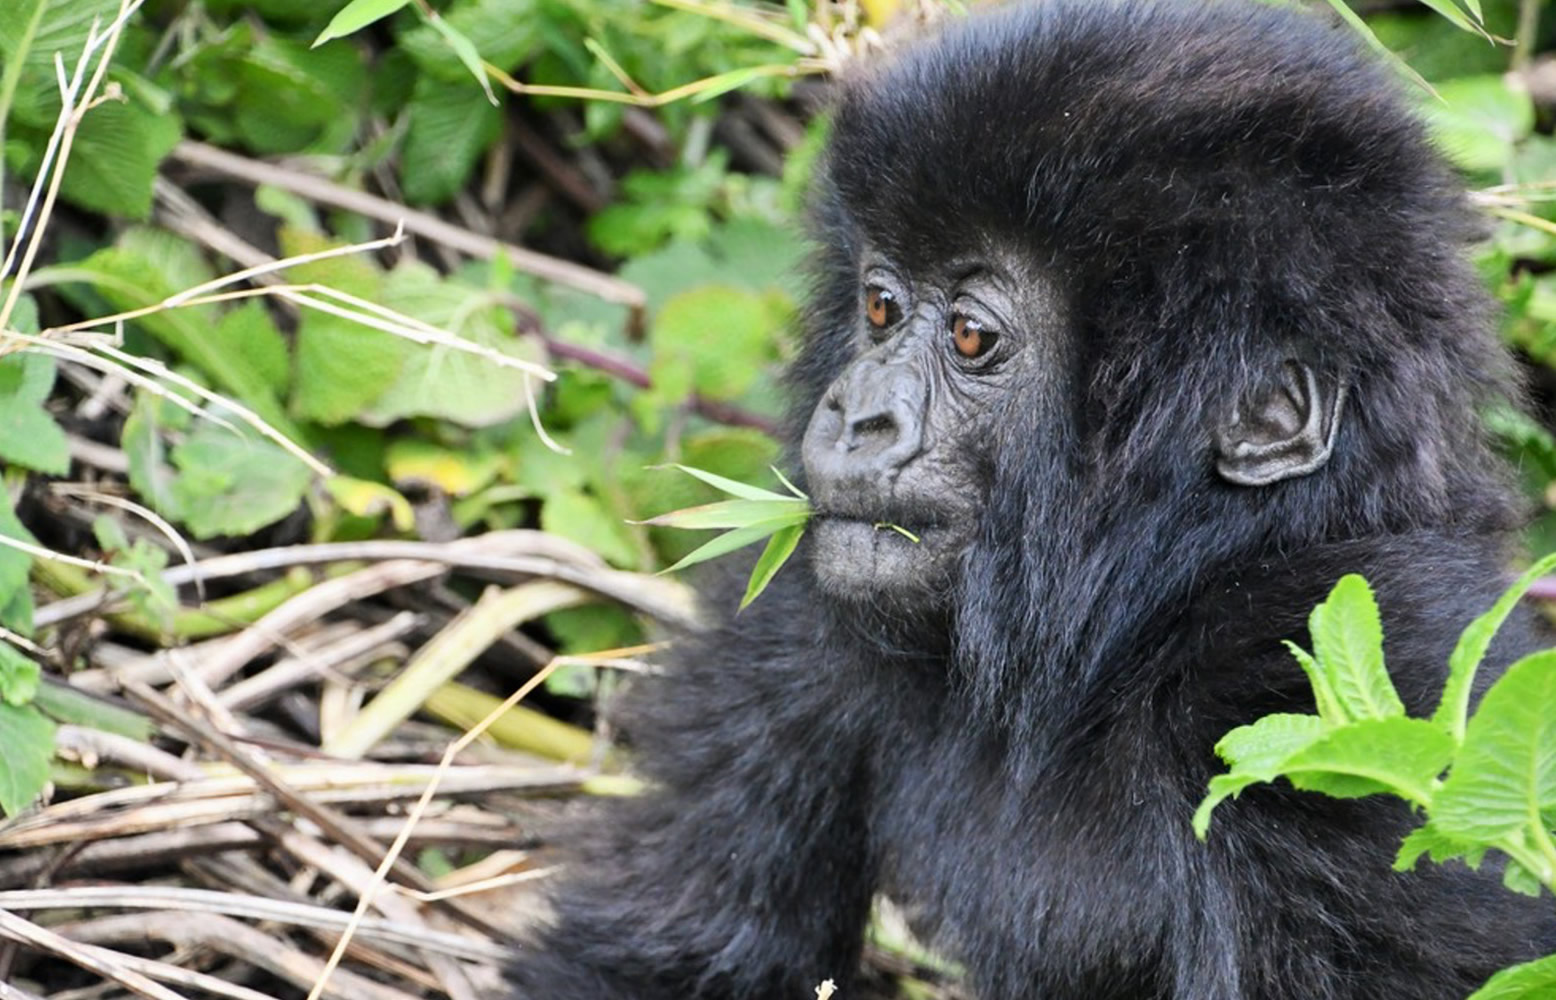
(1282, 430)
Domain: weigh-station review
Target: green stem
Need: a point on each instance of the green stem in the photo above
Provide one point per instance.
(1523, 41)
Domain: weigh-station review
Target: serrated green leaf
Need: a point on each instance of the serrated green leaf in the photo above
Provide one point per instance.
(450, 129)
(28, 738)
(288, 97)
(249, 334)
(357, 15)
(1530, 981)
(29, 436)
(18, 675)
(1348, 643)
(14, 564)
(31, 32)
(1398, 755)
(1427, 839)
(779, 548)
(1506, 769)
(730, 541)
(436, 381)
(507, 30)
(1453, 709)
(1517, 878)
(141, 440)
(231, 484)
(732, 514)
(1261, 747)
(115, 158)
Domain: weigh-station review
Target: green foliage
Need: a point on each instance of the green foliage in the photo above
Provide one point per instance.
(28, 434)
(1485, 781)
(28, 738)
(1480, 120)
(755, 514)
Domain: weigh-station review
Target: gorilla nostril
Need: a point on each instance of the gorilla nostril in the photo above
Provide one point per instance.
(880, 424)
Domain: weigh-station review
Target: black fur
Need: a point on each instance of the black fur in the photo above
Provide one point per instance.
(1215, 186)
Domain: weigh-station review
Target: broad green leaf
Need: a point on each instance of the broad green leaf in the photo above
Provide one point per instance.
(29, 436)
(1530, 981)
(444, 382)
(28, 738)
(232, 484)
(730, 486)
(141, 439)
(249, 334)
(31, 33)
(18, 675)
(1506, 770)
(1517, 878)
(716, 340)
(730, 541)
(580, 517)
(779, 548)
(1397, 755)
(1427, 839)
(357, 15)
(289, 98)
(506, 29)
(341, 366)
(1479, 119)
(1348, 643)
(732, 514)
(1453, 710)
(450, 129)
(116, 156)
(1263, 746)
(14, 564)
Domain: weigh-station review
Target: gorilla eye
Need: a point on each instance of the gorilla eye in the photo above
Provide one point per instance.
(972, 340)
(880, 307)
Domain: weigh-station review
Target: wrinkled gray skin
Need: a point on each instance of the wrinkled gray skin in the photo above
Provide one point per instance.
(905, 435)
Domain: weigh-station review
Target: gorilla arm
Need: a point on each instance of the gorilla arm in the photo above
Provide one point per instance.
(743, 872)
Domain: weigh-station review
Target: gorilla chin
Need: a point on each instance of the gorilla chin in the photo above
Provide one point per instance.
(859, 559)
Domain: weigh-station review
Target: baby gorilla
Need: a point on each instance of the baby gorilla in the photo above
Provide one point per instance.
(1151, 320)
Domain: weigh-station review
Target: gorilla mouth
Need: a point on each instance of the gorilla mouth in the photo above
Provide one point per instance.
(859, 555)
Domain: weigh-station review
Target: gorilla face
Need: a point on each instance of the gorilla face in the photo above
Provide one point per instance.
(947, 355)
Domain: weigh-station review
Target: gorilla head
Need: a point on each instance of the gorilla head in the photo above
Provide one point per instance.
(1075, 274)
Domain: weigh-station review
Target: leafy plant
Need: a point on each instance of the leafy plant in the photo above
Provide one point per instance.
(753, 515)
(1485, 781)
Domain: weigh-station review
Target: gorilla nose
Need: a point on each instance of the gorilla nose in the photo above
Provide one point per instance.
(870, 424)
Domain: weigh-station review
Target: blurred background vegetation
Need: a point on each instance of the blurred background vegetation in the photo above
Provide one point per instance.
(570, 281)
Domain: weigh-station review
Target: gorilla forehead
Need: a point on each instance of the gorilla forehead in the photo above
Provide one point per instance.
(1080, 135)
